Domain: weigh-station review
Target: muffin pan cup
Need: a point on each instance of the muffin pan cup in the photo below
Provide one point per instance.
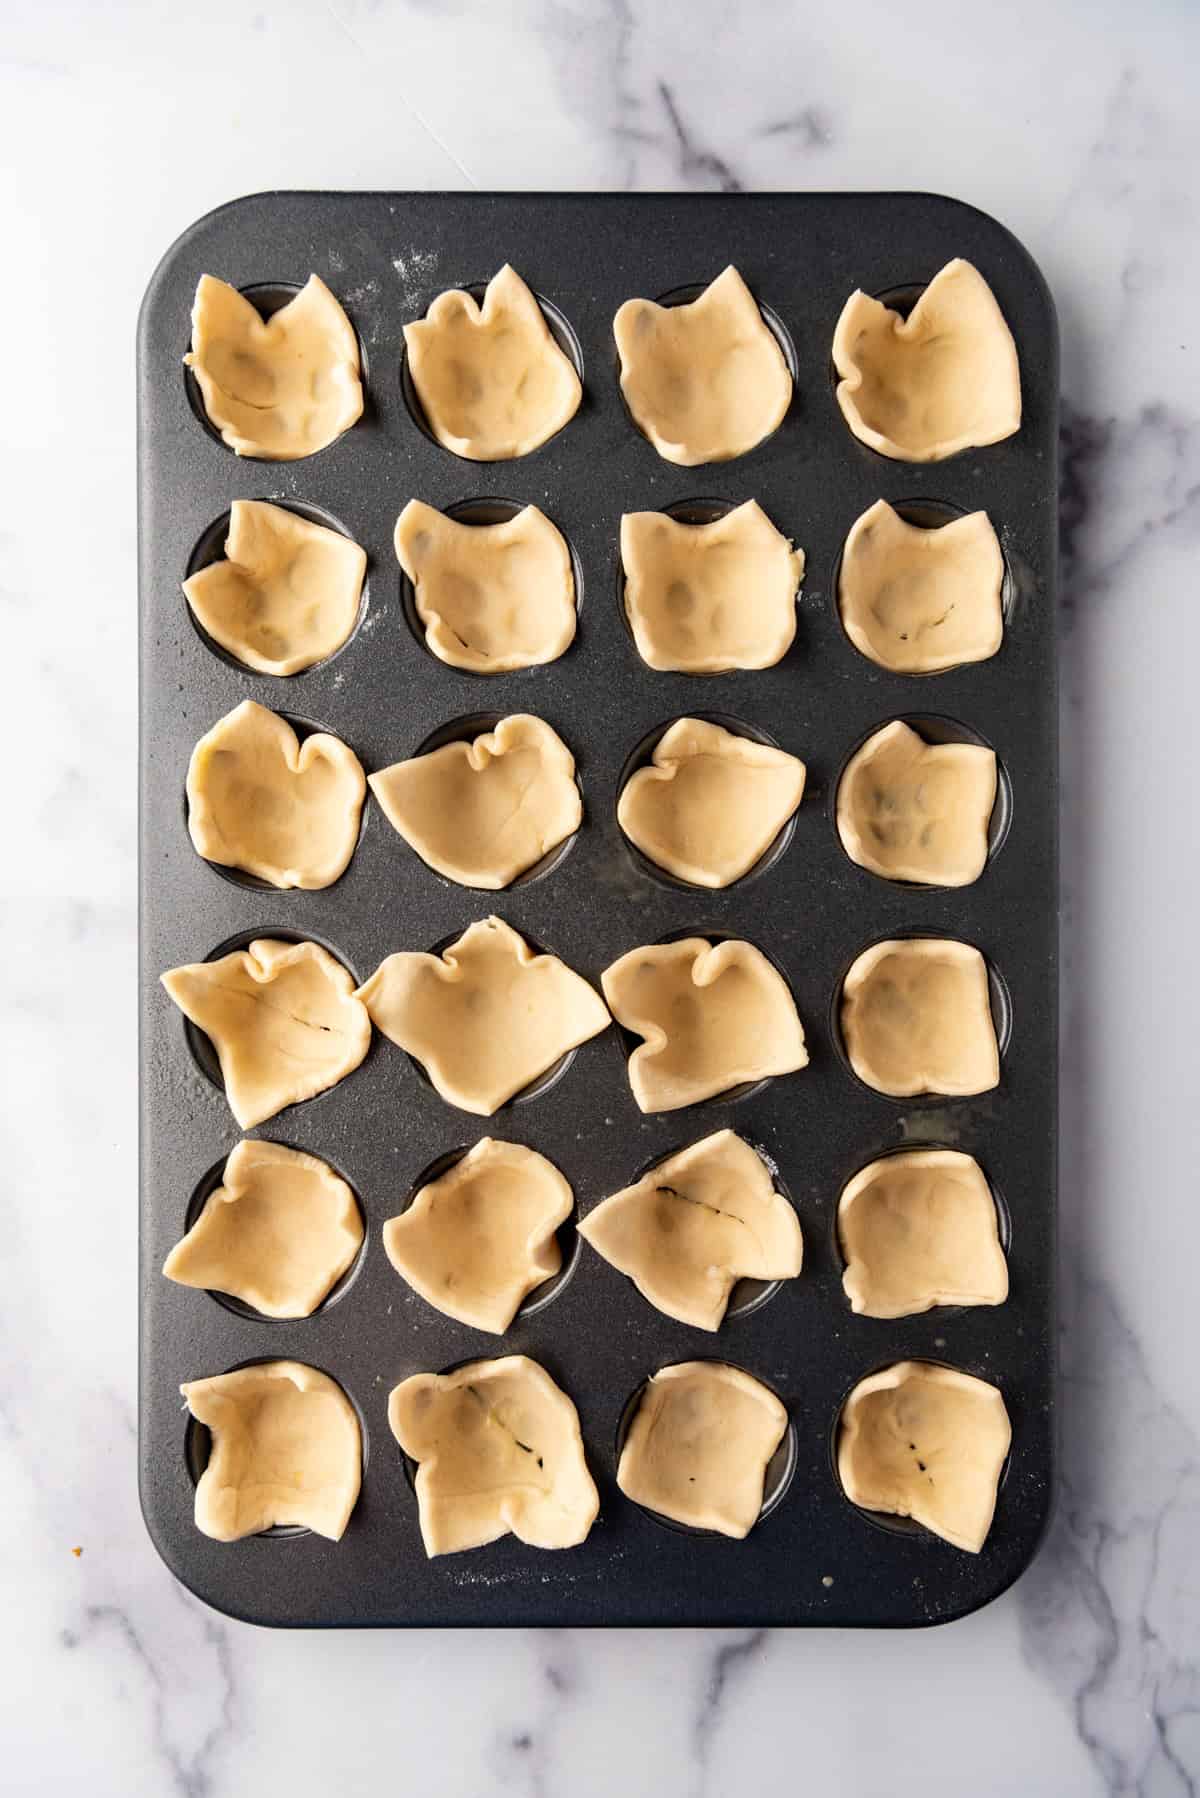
(814, 1559)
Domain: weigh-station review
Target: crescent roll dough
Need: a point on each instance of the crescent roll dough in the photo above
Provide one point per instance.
(283, 1018)
(282, 387)
(286, 1449)
(286, 594)
(942, 380)
(699, 1444)
(500, 1453)
(481, 813)
(705, 381)
(711, 803)
(917, 1018)
(924, 1441)
(713, 1015)
(486, 1016)
(261, 800)
(278, 1232)
(492, 382)
(478, 1239)
(695, 1225)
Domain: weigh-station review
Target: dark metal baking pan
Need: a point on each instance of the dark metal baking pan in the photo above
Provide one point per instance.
(814, 1558)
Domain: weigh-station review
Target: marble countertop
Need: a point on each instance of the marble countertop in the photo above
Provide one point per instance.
(1077, 125)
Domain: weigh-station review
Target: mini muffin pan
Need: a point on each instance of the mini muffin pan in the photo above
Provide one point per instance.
(813, 1558)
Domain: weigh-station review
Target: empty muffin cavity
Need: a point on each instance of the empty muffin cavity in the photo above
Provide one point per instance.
(708, 813)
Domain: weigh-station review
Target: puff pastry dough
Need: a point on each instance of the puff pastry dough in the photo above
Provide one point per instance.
(942, 380)
(920, 600)
(917, 1018)
(500, 1453)
(695, 1225)
(713, 1015)
(283, 1018)
(287, 593)
(485, 1017)
(286, 1449)
(911, 810)
(711, 803)
(699, 1444)
(477, 1240)
(492, 382)
(278, 1233)
(919, 1229)
(704, 598)
(928, 1442)
(481, 813)
(278, 388)
(261, 800)
(492, 597)
(705, 381)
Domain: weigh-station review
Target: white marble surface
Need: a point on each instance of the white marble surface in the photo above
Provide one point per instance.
(1077, 124)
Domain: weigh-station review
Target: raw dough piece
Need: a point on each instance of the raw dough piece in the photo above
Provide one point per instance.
(917, 1018)
(695, 1225)
(492, 382)
(918, 1229)
(492, 597)
(927, 1442)
(706, 381)
(942, 380)
(286, 595)
(912, 810)
(483, 812)
(280, 388)
(712, 1014)
(477, 1240)
(500, 1452)
(699, 1444)
(704, 598)
(920, 600)
(278, 1233)
(486, 1016)
(286, 1449)
(711, 804)
(260, 800)
(283, 1018)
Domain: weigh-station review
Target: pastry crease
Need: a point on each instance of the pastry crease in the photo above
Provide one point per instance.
(499, 1452)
